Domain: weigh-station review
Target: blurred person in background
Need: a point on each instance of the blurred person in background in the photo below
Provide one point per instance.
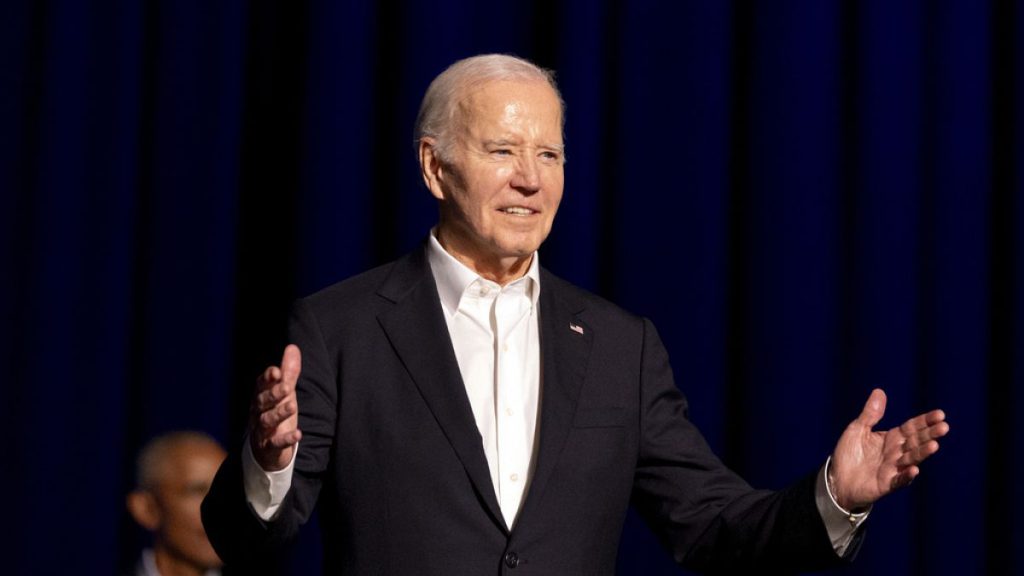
(173, 474)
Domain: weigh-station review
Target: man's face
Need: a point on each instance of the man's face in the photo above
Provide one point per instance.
(185, 480)
(502, 188)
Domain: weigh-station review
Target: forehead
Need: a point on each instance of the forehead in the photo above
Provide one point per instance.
(511, 104)
(190, 458)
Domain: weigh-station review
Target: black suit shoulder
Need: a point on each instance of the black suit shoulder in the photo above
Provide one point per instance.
(349, 307)
(354, 293)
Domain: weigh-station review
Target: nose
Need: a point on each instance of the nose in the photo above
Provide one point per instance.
(527, 175)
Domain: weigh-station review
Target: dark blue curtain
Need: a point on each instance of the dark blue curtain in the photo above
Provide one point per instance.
(810, 199)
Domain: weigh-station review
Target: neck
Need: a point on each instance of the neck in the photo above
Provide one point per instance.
(170, 564)
(499, 270)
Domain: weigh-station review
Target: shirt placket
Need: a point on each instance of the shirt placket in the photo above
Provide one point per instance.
(511, 308)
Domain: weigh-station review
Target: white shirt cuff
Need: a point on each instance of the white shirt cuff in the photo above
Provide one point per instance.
(841, 524)
(265, 490)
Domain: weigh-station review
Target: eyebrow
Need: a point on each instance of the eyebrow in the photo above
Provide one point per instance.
(504, 142)
(500, 142)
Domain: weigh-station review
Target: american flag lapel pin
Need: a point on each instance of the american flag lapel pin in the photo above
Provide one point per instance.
(576, 328)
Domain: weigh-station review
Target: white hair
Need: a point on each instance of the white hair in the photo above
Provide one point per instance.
(438, 110)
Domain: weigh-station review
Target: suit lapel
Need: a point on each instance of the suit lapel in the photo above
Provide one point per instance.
(417, 330)
(565, 349)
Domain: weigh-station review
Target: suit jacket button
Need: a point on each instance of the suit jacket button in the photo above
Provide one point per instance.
(511, 560)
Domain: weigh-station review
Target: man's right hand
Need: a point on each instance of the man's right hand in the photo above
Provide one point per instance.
(274, 415)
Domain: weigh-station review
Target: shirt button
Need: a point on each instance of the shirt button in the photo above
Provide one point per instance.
(514, 477)
(509, 412)
(511, 560)
(484, 290)
(504, 347)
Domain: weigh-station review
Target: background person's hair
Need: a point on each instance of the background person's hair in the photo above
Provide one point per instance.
(438, 108)
(154, 454)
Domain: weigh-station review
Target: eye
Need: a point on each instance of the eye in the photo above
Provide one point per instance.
(551, 156)
(502, 152)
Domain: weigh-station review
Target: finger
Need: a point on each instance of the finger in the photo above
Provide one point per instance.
(272, 397)
(277, 443)
(918, 454)
(874, 408)
(269, 377)
(930, 433)
(285, 439)
(265, 401)
(935, 416)
(925, 420)
(274, 417)
(291, 363)
(911, 428)
(895, 448)
(904, 478)
(917, 430)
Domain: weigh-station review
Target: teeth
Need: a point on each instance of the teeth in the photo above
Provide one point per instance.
(518, 210)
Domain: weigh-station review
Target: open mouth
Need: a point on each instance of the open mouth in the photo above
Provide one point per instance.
(517, 211)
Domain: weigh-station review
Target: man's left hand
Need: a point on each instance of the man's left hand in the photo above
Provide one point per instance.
(867, 465)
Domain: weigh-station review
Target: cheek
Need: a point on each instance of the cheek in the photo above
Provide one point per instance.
(503, 173)
(555, 186)
(482, 193)
(558, 188)
(489, 184)
(187, 515)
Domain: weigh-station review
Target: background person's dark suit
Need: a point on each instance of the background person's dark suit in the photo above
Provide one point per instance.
(391, 449)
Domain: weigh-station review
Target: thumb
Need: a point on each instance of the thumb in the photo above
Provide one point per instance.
(291, 363)
(874, 409)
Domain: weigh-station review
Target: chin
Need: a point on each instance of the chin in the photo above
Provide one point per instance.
(211, 561)
(206, 557)
(519, 247)
(516, 251)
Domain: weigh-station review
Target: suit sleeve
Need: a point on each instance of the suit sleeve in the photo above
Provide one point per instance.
(709, 518)
(238, 535)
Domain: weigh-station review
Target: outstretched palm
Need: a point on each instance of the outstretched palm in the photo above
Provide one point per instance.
(867, 465)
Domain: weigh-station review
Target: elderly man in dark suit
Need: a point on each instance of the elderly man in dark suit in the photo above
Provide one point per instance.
(464, 411)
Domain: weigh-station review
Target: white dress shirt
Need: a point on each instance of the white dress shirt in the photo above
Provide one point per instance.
(494, 332)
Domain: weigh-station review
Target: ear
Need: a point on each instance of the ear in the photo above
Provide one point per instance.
(431, 167)
(144, 509)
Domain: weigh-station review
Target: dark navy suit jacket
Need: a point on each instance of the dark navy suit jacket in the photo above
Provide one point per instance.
(392, 456)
